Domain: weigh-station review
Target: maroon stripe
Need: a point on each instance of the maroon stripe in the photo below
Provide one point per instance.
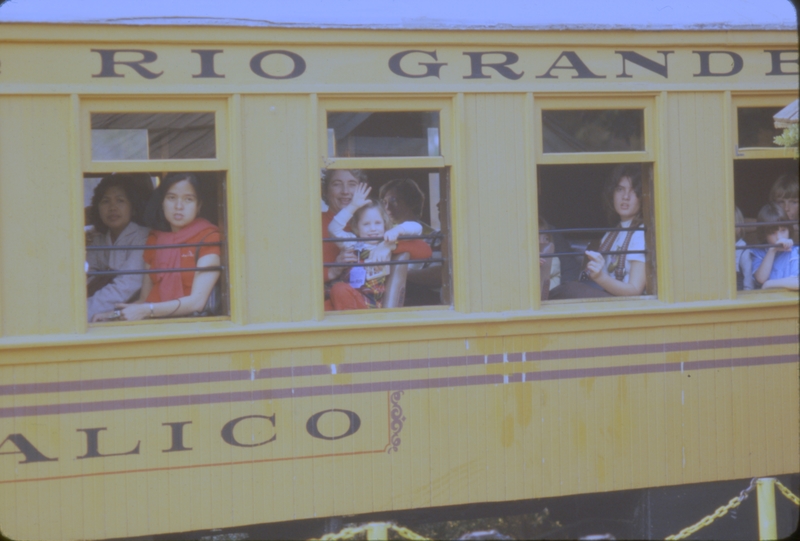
(383, 366)
(403, 385)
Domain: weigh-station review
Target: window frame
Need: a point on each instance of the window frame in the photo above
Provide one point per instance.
(221, 164)
(757, 100)
(647, 158)
(444, 162)
(593, 102)
(155, 105)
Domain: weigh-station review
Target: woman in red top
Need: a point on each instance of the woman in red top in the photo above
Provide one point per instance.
(172, 294)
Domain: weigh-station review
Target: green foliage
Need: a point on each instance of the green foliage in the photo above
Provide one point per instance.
(789, 139)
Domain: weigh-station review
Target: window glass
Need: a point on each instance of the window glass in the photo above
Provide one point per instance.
(409, 203)
(383, 134)
(766, 198)
(152, 136)
(155, 245)
(756, 126)
(597, 237)
(608, 130)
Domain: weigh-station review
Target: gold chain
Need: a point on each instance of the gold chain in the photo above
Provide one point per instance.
(350, 533)
(721, 512)
(788, 493)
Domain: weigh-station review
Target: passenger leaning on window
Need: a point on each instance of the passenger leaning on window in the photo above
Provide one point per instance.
(117, 207)
(368, 219)
(621, 274)
(338, 186)
(777, 266)
(172, 294)
(784, 193)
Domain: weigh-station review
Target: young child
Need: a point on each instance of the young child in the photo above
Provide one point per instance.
(784, 193)
(367, 218)
(776, 266)
(743, 259)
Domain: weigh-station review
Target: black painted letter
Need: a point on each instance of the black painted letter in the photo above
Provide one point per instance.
(477, 65)
(207, 64)
(177, 437)
(705, 64)
(32, 454)
(108, 63)
(299, 65)
(431, 68)
(643, 61)
(93, 446)
(313, 421)
(777, 61)
(575, 64)
(230, 439)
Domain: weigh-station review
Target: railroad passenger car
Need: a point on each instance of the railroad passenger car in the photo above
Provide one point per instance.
(467, 382)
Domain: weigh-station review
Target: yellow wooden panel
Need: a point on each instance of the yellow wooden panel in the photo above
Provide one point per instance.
(36, 263)
(696, 188)
(496, 187)
(278, 254)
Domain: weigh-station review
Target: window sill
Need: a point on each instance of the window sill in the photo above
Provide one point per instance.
(209, 335)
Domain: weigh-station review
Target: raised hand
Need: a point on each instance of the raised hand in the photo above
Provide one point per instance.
(360, 196)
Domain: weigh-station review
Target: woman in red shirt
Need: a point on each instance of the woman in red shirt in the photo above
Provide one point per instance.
(173, 294)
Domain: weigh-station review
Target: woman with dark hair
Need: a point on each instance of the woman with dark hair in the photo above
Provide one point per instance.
(172, 294)
(404, 201)
(115, 212)
(615, 275)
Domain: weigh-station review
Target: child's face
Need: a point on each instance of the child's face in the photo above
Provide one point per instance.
(370, 224)
(781, 233)
(789, 206)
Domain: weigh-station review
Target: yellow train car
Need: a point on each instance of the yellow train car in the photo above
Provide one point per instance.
(462, 375)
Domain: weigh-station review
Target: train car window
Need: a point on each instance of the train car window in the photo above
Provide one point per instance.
(407, 210)
(363, 134)
(153, 136)
(756, 127)
(155, 245)
(765, 186)
(597, 233)
(609, 130)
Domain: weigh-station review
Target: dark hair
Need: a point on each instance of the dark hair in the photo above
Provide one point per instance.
(136, 187)
(407, 190)
(359, 174)
(784, 188)
(632, 171)
(155, 207)
(771, 212)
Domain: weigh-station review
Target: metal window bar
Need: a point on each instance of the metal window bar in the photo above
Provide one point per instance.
(376, 239)
(153, 247)
(382, 263)
(154, 271)
(762, 246)
(747, 225)
(592, 229)
(616, 252)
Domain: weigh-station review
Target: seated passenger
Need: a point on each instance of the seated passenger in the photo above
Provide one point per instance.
(785, 194)
(404, 202)
(743, 262)
(368, 219)
(616, 274)
(554, 274)
(777, 266)
(115, 213)
(173, 294)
